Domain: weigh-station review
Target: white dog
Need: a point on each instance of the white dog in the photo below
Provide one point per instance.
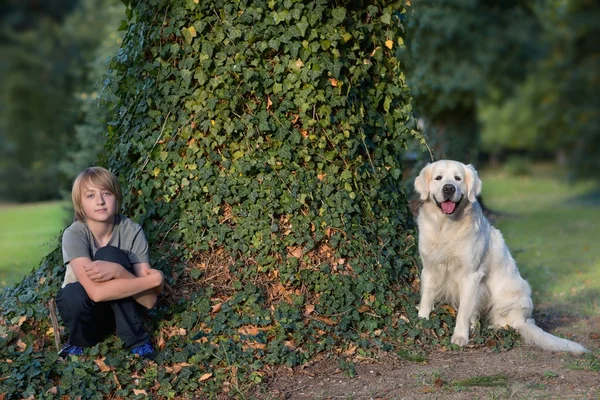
(466, 262)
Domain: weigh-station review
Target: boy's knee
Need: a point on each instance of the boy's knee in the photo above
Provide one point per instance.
(73, 298)
(113, 254)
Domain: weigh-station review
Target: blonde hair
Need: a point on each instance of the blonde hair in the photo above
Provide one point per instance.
(94, 177)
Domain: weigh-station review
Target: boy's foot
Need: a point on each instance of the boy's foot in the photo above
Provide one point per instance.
(145, 350)
(70, 350)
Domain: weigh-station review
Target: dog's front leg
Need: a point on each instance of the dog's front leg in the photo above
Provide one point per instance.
(427, 293)
(467, 307)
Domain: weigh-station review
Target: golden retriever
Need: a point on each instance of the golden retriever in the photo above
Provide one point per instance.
(466, 262)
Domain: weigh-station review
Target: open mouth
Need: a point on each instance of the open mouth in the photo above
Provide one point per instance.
(448, 206)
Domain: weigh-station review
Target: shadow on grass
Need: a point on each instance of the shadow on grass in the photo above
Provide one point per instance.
(556, 313)
(591, 198)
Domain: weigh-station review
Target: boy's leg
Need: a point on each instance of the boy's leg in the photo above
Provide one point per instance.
(128, 318)
(85, 319)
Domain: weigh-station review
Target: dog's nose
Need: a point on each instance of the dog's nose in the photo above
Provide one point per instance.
(448, 190)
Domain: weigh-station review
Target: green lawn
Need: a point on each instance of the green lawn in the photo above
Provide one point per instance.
(27, 234)
(552, 229)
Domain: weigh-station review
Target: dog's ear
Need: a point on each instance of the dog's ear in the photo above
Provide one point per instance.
(422, 182)
(473, 183)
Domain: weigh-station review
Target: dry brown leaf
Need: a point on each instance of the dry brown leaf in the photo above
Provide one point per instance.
(325, 320)
(255, 345)
(309, 309)
(205, 376)
(321, 176)
(217, 307)
(249, 330)
(21, 345)
(100, 363)
(140, 391)
(350, 351)
(334, 82)
(21, 320)
(290, 345)
(295, 251)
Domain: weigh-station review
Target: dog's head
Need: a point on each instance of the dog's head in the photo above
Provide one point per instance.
(448, 183)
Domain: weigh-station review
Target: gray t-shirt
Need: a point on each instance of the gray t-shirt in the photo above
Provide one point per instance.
(78, 241)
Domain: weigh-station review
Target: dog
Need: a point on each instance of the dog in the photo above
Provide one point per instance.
(466, 262)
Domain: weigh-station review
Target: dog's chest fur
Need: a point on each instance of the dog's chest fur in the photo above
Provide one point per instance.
(441, 240)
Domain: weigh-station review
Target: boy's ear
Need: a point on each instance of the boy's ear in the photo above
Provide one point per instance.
(422, 182)
(473, 183)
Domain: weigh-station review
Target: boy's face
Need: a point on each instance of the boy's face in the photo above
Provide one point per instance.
(99, 204)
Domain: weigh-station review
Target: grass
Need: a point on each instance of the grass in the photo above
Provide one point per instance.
(27, 234)
(551, 228)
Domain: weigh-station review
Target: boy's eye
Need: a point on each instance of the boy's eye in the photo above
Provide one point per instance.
(89, 196)
(107, 193)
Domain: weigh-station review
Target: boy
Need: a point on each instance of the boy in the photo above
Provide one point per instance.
(108, 275)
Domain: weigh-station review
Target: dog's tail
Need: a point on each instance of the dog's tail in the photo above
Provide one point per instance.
(533, 334)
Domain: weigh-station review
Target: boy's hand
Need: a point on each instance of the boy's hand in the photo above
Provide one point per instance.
(101, 271)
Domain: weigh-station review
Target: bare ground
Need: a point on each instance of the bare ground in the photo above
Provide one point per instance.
(524, 372)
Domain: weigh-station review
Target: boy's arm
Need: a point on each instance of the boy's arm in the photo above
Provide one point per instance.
(113, 289)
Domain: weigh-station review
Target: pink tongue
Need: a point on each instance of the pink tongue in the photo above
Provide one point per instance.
(448, 206)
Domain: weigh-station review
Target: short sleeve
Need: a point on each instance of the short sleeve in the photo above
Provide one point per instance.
(74, 245)
(139, 248)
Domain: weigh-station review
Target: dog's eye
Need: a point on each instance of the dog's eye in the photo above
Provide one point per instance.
(457, 178)
(438, 178)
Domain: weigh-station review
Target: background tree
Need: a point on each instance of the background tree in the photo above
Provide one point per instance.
(556, 110)
(47, 77)
(458, 53)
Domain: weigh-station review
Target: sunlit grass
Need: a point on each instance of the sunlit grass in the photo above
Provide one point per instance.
(552, 228)
(27, 234)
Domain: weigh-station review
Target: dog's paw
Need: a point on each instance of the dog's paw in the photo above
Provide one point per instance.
(424, 314)
(459, 340)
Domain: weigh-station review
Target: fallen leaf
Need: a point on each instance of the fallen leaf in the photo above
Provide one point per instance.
(309, 309)
(389, 44)
(100, 363)
(350, 351)
(21, 320)
(217, 307)
(333, 81)
(21, 345)
(205, 376)
(325, 320)
(140, 391)
(249, 330)
(53, 390)
(438, 382)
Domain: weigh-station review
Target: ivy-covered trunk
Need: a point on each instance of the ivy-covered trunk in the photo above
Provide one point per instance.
(260, 142)
(259, 145)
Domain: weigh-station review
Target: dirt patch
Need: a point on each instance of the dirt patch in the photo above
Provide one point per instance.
(524, 372)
